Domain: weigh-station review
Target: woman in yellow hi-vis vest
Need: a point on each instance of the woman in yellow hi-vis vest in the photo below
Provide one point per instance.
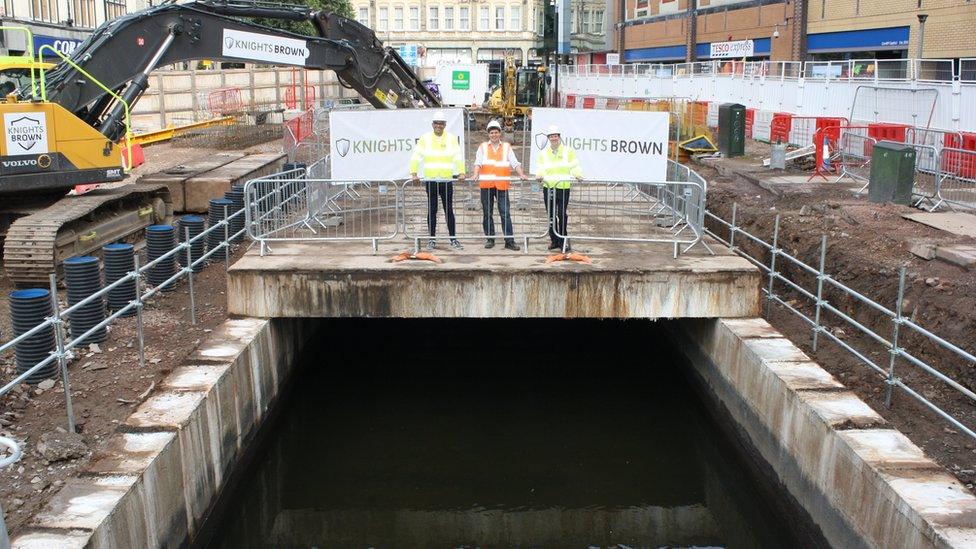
(556, 168)
(439, 154)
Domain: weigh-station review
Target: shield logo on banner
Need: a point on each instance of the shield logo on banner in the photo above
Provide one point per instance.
(342, 147)
(228, 43)
(541, 140)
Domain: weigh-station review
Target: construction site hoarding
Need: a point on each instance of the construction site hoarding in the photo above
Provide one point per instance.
(377, 145)
(462, 84)
(611, 145)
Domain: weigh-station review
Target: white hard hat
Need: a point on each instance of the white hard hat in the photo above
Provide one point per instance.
(439, 116)
(494, 125)
(552, 130)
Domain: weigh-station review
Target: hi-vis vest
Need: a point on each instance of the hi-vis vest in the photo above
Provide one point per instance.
(441, 156)
(558, 168)
(495, 169)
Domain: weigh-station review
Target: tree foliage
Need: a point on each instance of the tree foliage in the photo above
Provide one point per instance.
(338, 7)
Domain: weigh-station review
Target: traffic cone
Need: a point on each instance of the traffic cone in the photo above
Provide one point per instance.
(825, 156)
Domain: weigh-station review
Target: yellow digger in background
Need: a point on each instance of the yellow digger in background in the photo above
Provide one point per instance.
(521, 89)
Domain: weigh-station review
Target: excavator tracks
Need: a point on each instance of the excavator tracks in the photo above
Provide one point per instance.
(36, 245)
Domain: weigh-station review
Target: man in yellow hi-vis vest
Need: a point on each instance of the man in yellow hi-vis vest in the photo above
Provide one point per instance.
(556, 168)
(439, 157)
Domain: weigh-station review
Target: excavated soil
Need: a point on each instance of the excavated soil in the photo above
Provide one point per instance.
(106, 383)
(867, 246)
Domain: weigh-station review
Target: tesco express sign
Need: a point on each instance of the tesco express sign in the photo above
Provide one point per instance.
(739, 48)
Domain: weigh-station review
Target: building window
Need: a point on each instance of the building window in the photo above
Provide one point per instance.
(113, 10)
(500, 18)
(362, 15)
(464, 14)
(84, 13)
(414, 18)
(448, 18)
(540, 22)
(44, 10)
(383, 23)
(598, 22)
(433, 18)
(515, 18)
(484, 19)
(398, 19)
(586, 21)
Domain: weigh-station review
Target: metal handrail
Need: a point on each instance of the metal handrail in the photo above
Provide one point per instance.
(15, 453)
(894, 348)
(64, 346)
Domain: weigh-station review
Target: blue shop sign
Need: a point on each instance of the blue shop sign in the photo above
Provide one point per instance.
(677, 53)
(62, 45)
(891, 38)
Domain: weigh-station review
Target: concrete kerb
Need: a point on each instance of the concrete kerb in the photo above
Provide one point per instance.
(158, 477)
(863, 484)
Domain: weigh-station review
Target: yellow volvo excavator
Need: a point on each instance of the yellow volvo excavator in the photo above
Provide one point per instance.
(521, 89)
(68, 125)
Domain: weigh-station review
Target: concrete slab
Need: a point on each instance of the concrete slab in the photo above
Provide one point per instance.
(843, 410)
(338, 279)
(83, 503)
(960, 223)
(176, 176)
(752, 327)
(200, 189)
(804, 375)
(72, 539)
(961, 256)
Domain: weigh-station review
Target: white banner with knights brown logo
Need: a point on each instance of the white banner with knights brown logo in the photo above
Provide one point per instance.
(625, 146)
(377, 145)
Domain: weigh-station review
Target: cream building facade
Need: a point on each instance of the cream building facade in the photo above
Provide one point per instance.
(58, 24)
(458, 30)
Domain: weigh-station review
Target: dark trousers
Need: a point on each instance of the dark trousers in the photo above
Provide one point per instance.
(488, 197)
(558, 199)
(445, 190)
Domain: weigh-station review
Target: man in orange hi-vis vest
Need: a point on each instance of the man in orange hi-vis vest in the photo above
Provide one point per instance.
(493, 167)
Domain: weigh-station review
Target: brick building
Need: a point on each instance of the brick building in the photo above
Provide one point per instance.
(669, 31)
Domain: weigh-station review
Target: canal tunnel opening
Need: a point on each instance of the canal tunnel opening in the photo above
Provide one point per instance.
(499, 433)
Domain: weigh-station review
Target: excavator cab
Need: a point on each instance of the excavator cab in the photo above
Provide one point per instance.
(530, 88)
(15, 73)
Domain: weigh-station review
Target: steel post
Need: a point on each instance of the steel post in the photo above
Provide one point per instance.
(895, 350)
(772, 266)
(140, 336)
(62, 359)
(189, 276)
(226, 241)
(820, 280)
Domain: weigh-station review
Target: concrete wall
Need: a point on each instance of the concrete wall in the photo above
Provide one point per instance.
(178, 97)
(159, 476)
(862, 483)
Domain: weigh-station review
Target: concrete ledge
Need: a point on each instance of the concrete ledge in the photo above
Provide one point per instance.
(339, 280)
(159, 476)
(863, 484)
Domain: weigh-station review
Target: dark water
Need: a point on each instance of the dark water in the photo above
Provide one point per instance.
(495, 434)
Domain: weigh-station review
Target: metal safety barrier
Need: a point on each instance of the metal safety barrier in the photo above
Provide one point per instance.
(64, 346)
(854, 156)
(285, 208)
(774, 261)
(15, 452)
(657, 212)
(525, 208)
(281, 208)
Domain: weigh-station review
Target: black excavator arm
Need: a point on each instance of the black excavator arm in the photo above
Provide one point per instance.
(121, 53)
